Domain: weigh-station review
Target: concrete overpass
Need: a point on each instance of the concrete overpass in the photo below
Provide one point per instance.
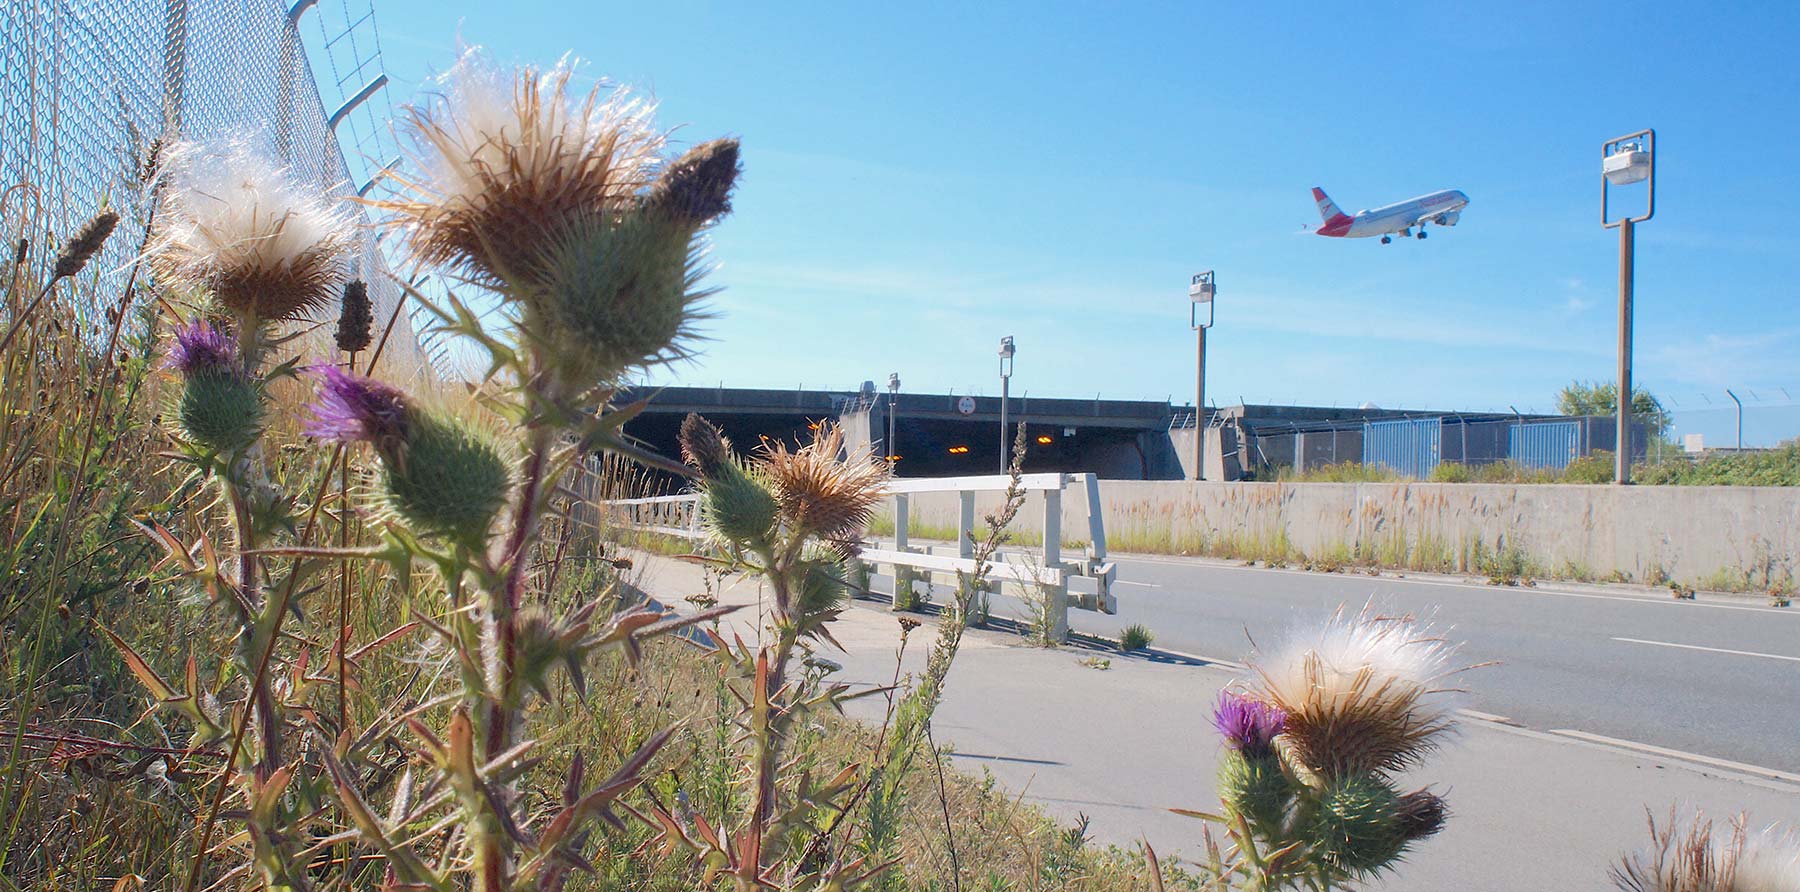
(935, 434)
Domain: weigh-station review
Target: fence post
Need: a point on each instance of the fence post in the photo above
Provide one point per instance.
(174, 67)
(904, 597)
(1056, 597)
(965, 548)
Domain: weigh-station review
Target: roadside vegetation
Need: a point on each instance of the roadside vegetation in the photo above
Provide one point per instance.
(1772, 467)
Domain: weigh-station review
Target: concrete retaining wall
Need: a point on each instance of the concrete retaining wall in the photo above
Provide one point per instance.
(1714, 536)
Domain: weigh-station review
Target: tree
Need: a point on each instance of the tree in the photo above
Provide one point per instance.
(1602, 398)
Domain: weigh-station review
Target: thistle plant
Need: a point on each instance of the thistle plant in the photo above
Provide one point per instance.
(1313, 744)
(563, 210)
(241, 241)
(790, 517)
(1687, 855)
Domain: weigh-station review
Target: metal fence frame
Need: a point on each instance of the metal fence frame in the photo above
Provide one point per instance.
(1046, 570)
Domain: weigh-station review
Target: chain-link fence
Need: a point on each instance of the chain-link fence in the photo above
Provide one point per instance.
(1417, 446)
(90, 88)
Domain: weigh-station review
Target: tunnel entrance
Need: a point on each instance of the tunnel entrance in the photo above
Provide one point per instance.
(935, 435)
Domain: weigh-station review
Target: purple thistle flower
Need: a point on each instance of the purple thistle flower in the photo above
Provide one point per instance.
(1248, 724)
(201, 347)
(352, 409)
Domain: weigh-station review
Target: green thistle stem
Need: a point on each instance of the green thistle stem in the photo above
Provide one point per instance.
(766, 726)
(503, 606)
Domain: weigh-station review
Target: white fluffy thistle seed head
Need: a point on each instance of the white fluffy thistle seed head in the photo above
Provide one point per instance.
(513, 159)
(1689, 854)
(1770, 861)
(1362, 693)
(236, 226)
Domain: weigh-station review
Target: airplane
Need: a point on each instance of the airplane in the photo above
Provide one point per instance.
(1442, 208)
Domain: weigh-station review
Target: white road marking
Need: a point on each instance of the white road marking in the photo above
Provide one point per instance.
(1144, 584)
(1489, 717)
(1680, 754)
(1716, 650)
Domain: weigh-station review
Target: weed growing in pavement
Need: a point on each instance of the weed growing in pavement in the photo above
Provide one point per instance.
(1136, 636)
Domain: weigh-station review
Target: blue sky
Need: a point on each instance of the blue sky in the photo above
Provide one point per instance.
(922, 179)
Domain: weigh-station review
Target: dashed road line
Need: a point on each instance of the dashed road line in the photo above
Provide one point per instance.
(1716, 650)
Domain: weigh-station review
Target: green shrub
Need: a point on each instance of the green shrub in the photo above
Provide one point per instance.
(1136, 636)
(1593, 468)
(1775, 467)
(1452, 472)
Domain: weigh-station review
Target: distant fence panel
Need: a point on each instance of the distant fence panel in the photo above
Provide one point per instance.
(1412, 447)
(1547, 445)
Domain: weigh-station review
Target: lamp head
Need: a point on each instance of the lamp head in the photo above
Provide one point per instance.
(1627, 164)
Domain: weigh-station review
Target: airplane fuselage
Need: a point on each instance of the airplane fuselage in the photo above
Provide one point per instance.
(1442, 208)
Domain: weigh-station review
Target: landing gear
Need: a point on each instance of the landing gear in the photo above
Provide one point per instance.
(1386, 240)
(1421, 232)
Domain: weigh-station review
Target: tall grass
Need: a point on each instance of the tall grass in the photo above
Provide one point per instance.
(1776, 467)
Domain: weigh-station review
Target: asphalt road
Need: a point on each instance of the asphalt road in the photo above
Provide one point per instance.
(1715, 677)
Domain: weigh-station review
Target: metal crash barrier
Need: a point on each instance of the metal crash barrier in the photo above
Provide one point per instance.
(1085, 584)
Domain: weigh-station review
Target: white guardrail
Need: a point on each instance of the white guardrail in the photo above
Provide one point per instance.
(1085, 584)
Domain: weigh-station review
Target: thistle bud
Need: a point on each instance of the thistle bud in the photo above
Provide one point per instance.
(452, 483)
(739, 507)
(438, 477)
(614, 294)
(1356, 826)
(87, 242)
(221, 412)
(355, 318)
(696, 188)
(702, 446)
(1256, 788)
(218, 406)
(1421, 814)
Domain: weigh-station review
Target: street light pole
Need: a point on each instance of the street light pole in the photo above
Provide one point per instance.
(1622, 457)
(1740, 417)
(1006, 365)
(1200, 291)
(893, 451)
(1623, 161)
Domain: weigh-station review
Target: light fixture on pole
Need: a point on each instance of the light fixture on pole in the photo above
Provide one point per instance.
(1006, 367)
(893, 453)
(1200, 292)
(1625, 161)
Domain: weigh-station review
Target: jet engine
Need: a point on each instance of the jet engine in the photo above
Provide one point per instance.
(1447, 219)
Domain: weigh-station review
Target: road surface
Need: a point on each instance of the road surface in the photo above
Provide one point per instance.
(1719, 677)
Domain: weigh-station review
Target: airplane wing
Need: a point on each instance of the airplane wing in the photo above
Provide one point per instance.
(1439, 218)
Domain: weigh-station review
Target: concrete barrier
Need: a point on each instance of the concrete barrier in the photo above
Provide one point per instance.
(1718, 537)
